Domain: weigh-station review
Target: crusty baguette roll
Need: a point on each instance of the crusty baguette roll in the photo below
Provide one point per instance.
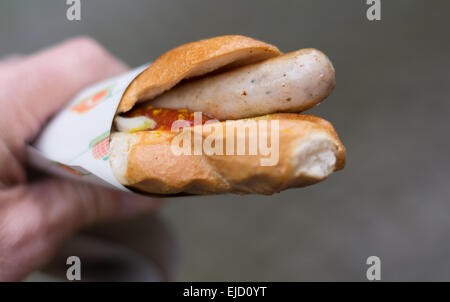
(308, 150)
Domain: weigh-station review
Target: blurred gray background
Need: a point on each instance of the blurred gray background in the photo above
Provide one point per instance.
(390, 107)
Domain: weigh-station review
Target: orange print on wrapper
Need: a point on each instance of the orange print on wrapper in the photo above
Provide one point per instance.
(100, 146)
(71, 170)
(90, 102)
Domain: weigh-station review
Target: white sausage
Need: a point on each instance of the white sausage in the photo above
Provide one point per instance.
(289, 83)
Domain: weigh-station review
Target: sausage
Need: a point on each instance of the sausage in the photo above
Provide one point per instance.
(291, 82)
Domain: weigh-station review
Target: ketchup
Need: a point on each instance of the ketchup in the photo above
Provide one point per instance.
(165, 117)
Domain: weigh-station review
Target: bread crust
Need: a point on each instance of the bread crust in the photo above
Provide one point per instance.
(191, 60)
(151, 166)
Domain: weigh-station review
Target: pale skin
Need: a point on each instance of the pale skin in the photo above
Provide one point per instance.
(36, 216)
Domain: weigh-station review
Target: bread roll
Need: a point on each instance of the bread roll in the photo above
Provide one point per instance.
(292, 150)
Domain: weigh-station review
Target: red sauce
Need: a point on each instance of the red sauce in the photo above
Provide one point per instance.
(165, 117)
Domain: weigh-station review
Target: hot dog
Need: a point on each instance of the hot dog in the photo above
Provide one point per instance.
(232, 81)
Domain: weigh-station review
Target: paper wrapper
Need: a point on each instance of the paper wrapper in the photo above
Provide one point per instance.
(75, 143)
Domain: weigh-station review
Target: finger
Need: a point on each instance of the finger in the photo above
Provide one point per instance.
(39, 85)
(10, 60)
(35, 219)
(71, 205)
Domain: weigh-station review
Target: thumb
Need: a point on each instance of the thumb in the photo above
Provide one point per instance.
(39, 85)
(73, 205)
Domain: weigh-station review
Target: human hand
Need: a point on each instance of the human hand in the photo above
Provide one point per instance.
(35, 217)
